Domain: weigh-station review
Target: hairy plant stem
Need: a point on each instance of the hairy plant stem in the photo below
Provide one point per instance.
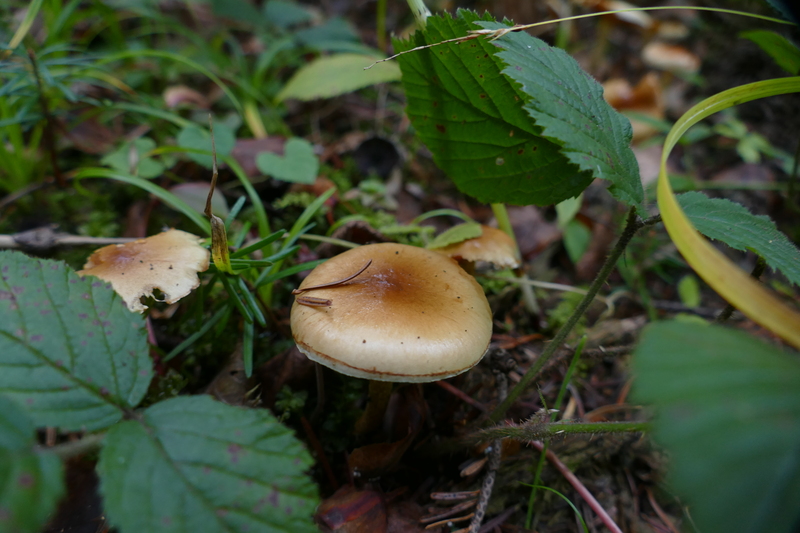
(65, 450)
(538, 430)
(633, 224)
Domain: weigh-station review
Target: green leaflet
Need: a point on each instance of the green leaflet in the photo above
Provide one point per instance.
(728, 412)
(30, 483)
(337, 74)
(456, 234)
(568, 105)
(192, 464)
(472, 118)
(71, 354)
(734, 225)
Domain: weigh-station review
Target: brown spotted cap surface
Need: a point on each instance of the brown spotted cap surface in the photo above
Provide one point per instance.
(413, 315)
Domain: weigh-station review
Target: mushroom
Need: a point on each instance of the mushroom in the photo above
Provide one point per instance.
(412, 315)
(492, 246)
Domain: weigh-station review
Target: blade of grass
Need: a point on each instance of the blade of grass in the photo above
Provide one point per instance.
(248, 333)
(251, 302)
(136, 54)
(236, 298)
(258, 245)
(572, 505)
(157, 191)
(24, 27)
(194, 337)
(727, 279)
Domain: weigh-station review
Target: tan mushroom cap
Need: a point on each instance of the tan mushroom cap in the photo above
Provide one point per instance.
(493, 246)
(413, 316)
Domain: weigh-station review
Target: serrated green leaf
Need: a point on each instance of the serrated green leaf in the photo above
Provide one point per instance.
(337, 74)
(567, 103)
(456, 234)
(733, 224)
(192, 464)
(31, 483)
(198, 138)
(298, 164)
(728, 412)
(71, 354)
(784, 52)
(472, 119)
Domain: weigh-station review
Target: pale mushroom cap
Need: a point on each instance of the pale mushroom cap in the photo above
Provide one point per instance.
(413, 316)
(493, 246)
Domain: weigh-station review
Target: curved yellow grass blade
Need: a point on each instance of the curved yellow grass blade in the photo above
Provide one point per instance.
(733, 284)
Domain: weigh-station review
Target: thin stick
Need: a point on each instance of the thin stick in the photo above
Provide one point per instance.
(495, 34)
(333, 283)
(579, 487)
(495, 454)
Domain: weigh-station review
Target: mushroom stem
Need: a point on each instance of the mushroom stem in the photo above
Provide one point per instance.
(378, 399)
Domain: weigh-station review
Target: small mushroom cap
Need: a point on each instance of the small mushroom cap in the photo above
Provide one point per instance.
(168, 261)
(412, 316)
(493, 246)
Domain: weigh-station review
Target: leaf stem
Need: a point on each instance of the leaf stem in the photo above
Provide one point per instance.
(633, 224)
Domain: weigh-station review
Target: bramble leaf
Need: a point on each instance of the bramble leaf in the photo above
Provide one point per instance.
(30, 483)
(71, 354)
(733, 224)
(567, 103)
(194, 464)
(728, 411)
(472, 119)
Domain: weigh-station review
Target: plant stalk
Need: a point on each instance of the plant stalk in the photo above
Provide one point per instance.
(86, 444)
(633, 224)
(528, 296)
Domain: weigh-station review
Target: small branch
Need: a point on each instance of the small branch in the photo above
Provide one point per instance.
(758, 269)
(46, 238)
(579, 487)
(495, 454)
(66, 450)
(633, 224)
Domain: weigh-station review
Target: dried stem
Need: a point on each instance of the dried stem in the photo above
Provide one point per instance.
(579, 487)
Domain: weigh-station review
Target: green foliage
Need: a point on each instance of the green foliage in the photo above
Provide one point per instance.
(133, 158)
(297, 165)
(472, 119)
(337, 74)
(689, 291)
(31, 482)
(728, 411)
(72, 355)
(784, 52)
(734, 225)
(568, 105)
(214, 468)
(456, 234)
(198, 138)
(521, 123)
